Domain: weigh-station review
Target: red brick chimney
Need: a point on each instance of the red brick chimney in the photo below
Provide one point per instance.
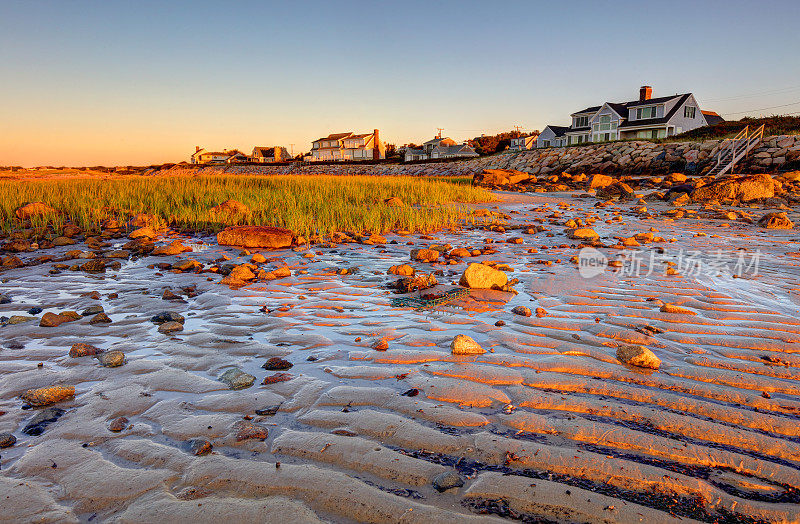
(376, 149)
(645, 93)
(196, 149)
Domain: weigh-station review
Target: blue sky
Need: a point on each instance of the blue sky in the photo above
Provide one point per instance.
(144, 82)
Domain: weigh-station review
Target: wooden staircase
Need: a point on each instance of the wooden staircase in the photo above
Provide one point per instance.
(732, 150)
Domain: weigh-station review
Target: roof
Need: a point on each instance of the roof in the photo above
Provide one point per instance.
(458, 148)
(558, 130)
(360, 136)
(657, 121)
(712, 117)
(218, 153)
(578, 129)
(659, 100)
(592, 109)
(436, 140)
(335, 136)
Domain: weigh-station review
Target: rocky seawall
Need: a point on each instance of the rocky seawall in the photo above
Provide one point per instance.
(775, 153)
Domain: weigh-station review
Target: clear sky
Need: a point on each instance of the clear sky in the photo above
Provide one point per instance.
(139, 82)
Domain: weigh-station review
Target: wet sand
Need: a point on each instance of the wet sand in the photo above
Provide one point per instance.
(547, 425)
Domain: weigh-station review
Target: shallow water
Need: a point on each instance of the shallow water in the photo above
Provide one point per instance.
(714, 434)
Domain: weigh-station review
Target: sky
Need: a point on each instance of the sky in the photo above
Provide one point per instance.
(139, 82)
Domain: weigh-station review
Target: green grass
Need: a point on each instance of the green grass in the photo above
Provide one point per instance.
(307, 205)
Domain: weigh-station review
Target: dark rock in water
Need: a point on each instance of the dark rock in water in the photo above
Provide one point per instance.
(111, 359)
(83, 350)
(7, 440)
(268, 411)
(415, 283)
(5, 300)
(521, 311)
(118, 424)
(447, 480)
(167, 316)
(31, 311)
(198, 446)
(235, 378)
(500, 323)
(413, 392)
(100, 318)
(92, 310)
(276, 364)
(41, 420)
(93, 266)
(248, 430)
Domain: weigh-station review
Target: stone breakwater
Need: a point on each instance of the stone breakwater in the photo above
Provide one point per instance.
(774, 153)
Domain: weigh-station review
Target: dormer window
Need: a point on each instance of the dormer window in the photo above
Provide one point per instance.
(581, 121)
(645, 112)
(689, 111)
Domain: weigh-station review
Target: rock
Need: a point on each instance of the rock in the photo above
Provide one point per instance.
(63, 241)
(145, 220)
(111, 359)
(460, 252)
(33, 209)
(638, 356)
(239, 275)
(682, 199)
(619, 190)
(500, 177)
(198, 446)
(71, 230)
(5, 299)
(258, 258)
(393, 202)
(415, 283)
(7, 440)
(776, 221)
(599, 181)
(522, 311)
(672, 308)
(464, 345)
(275, 378)
(41, 420)
(742, 188)
(246, 430)
(167, 316)
(100, 318)
(401, 269)
(540, 312)
(229, 209)
(255, 237)
(92, 310)
(83, 350)
(48, 395)
(50, 319)
(187, 265)
(583, 233)
(18, 319)
(235, 378)
(276, 364)
(269, 411)
(447, 480)
(142, 232)
(169, 295)
(173, 248)
(93, 266)
(170, 327)
(17, 246)
(118, 424)
(481, 276)
(425, 255)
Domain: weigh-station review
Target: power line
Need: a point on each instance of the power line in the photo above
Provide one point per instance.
(761, 93)
(763, 108)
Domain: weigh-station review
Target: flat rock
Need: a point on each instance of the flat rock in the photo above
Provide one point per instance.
(167, 316)
(481, 276)
(111, 359)
(170, 327)
(464, 345)
(277, 364)
(447, 480)
(41, 420)
(83, 350)
(235, 378)
(638, 356)
(246, 430)
(7, 440)
(255, 237)
(48, 395)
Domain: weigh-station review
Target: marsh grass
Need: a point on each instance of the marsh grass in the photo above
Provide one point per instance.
(307, 205)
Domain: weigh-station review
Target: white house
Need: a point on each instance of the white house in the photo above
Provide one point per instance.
(348, 146)
(524, 142)
(202, 156)
(265, 155)
(645, 118)
(439, 147)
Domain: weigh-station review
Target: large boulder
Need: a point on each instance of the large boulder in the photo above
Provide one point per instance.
(638, 356)
(32, 210)
(775, 221)
(464, 345)
(481, 276)
(742, 188)
(618, 190)
(500, 177)
(255, 236)
(229, 208)
(599, 181)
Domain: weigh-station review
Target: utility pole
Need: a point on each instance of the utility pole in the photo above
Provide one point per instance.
(292, 146)
(440, 129)
(518, 128)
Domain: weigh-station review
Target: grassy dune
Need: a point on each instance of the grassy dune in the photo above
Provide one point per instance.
(304, 204)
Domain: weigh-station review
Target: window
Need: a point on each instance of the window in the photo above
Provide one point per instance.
(581, 121)
(546, 143)
(645, 112)
(689, 111)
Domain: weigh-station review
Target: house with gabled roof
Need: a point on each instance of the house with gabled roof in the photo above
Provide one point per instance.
(348, 146)
(524, 142)
(203, 156)
(645, 118)
(264, 155)
(440, 147)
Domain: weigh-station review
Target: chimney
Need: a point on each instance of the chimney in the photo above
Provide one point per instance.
(376, 148)
(196, 149)
(645, 93)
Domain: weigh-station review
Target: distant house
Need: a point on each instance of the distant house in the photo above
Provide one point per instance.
(269, 154)
(236, 157)
(203, 156)
(348, 146)
(524, 142)
(552, 136)
(440, 147)
(645, 118)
